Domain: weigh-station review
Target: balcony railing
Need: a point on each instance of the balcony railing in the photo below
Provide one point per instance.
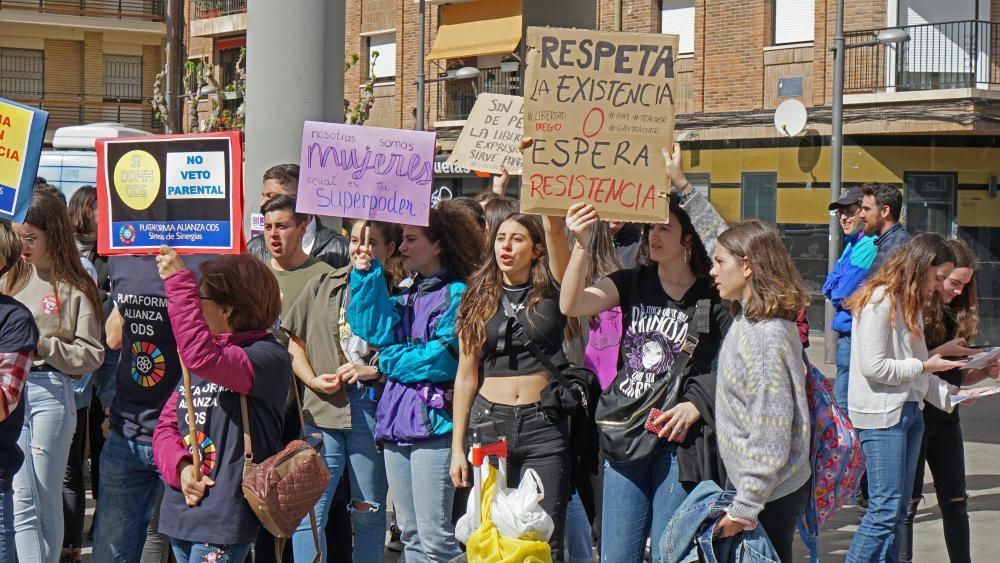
(960, 54)
(456, 98)
(147, 10)
(71, 109)
(204, 9)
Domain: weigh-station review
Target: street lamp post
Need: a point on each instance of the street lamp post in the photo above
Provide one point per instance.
(885, 37)
(421, 82)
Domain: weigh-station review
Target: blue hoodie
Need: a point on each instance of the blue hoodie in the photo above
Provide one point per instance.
(849, 273)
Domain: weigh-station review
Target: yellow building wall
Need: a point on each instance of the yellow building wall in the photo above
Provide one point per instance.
(798, 168)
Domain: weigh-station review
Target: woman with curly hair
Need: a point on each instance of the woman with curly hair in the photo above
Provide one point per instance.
(417, 340)
(661, 302)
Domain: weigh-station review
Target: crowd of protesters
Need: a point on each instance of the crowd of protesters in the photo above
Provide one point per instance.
(399, 340)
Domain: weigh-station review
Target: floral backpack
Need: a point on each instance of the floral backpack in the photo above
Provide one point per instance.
(837, 460)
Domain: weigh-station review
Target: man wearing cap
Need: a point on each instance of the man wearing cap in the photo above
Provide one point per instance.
(850, 271)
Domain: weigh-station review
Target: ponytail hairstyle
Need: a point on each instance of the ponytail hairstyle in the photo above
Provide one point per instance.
(963, 310)
(903, 277)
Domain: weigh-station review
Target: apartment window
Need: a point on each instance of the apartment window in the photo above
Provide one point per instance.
(385, 64)
(227, 67)
(759, 196)
(677, 18)
(22, 73)
(701, 182)
(123, 78)
(794, 21)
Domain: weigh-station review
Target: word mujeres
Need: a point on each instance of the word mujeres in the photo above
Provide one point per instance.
(416, 169)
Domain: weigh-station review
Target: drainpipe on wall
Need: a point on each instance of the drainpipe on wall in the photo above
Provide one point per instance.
(618, 15)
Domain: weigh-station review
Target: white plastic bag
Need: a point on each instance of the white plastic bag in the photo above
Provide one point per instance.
(517, 513)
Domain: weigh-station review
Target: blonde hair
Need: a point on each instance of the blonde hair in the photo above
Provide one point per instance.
(776, 289)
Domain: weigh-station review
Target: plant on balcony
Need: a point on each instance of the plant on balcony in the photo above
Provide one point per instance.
(454, 65)
(209, 8)
(509, 63)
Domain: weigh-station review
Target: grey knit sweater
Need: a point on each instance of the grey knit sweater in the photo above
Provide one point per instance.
(762, 413)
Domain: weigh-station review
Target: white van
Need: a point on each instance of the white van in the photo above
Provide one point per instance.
(72, 161)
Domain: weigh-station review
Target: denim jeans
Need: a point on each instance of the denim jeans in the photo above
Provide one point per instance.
(579, 545)
(130, 489)
(352, 449)
(891, 462)
(422, 495)
(6, 524)
(49, 422)
(944, 451)
(843, 371)
(640, 497)
(185, 552)
(533, 442)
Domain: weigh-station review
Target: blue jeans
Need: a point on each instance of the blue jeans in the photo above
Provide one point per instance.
(6, 525)
(185, 552)
(354, 448)
(49, 424)
(891, 462)
(130, 487)
(843, 371)
(640, 497)
(579, 546)
(422, 493)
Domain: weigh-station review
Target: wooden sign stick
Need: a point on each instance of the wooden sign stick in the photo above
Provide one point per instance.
(192, 430)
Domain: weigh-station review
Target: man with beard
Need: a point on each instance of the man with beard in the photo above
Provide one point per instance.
(881, 208)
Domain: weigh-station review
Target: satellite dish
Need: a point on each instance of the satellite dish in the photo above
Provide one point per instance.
(790, 118)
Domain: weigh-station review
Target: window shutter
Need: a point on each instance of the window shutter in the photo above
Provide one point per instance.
(385, 65)
(677, 18)
(794, 21)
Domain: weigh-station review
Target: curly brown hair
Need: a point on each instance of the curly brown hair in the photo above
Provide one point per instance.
(776, 289)
(903, 276)
(963, 310)
(452, 225)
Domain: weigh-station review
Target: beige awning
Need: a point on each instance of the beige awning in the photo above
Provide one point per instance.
(478, 28)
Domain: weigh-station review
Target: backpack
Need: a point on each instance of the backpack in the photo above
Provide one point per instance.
(837, 460)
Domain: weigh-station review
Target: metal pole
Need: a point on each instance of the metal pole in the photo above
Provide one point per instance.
(420, 67)
(171, 52)
(836, 166)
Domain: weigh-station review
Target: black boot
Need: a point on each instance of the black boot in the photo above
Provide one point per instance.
(906, 542)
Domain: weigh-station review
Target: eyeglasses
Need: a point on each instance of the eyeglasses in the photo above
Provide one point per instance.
(848, 211)
(205, 298)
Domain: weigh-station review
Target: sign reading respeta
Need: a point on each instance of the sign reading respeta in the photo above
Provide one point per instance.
(599, 106)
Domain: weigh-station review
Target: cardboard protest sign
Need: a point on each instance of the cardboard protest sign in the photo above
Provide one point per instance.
(366, 173)
(600, 106)
(491, 135)
(22, 130)
(185, 191)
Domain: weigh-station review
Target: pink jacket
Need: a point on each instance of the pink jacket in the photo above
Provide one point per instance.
(219, 359)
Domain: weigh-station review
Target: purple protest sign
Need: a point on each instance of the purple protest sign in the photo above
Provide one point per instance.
(366, 172)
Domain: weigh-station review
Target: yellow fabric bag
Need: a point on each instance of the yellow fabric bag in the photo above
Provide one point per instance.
(486, 545)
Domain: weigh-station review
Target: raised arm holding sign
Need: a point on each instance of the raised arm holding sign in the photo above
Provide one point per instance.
(600, 106)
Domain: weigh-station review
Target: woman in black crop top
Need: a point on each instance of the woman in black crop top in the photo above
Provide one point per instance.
(528, 263)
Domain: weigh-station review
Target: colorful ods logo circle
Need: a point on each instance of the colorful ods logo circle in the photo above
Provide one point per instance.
(126, 234)
(207, 449)
(137, 179)
(148, 364)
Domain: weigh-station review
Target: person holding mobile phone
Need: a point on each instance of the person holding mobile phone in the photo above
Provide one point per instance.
(892, 374)
(951, 320)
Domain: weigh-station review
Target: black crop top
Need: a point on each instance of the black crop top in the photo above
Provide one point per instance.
(504, 354)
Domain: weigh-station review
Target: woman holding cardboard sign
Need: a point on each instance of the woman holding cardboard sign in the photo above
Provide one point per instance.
(654, 416)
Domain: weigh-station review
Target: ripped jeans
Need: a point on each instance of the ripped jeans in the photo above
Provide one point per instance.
(193, 552)
(352, 450)
(49, 422)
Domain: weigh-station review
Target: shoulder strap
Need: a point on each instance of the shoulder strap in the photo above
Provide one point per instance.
(508, 308)
(247, 443)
